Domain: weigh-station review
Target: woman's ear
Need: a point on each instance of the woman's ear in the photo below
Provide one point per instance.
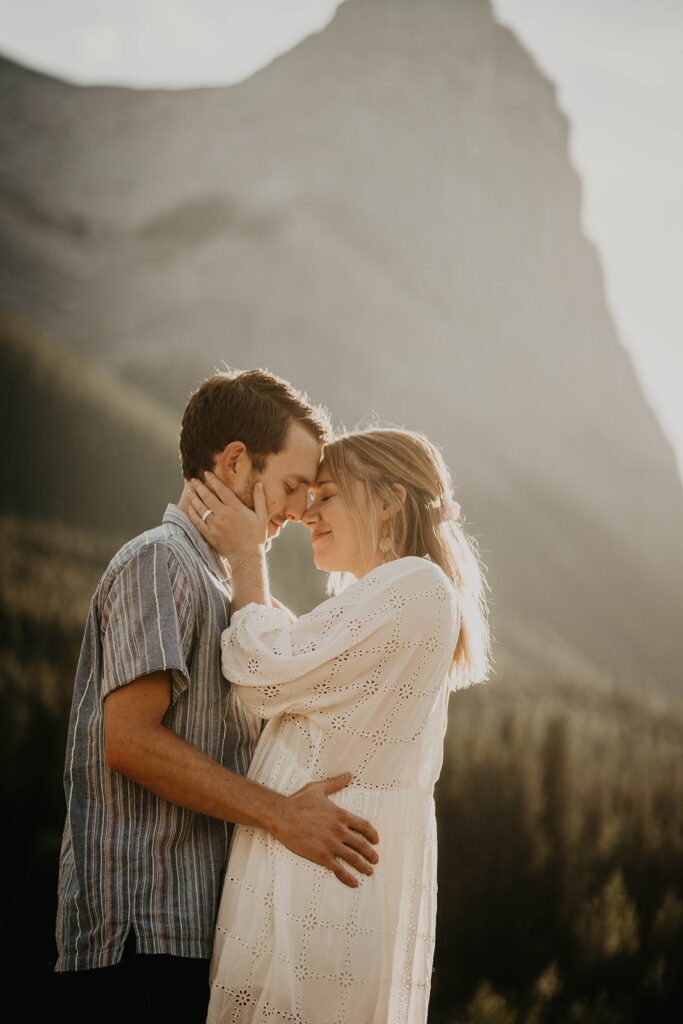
(391, 507)
(400, 492)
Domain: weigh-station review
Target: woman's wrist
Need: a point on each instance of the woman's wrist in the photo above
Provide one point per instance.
(249, 575)
(237, 558)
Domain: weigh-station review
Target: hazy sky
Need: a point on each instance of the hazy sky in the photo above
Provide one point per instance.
(618, 67)
(619, 71)
(147, 43)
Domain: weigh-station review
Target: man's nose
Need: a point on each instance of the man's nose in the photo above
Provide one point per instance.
(296, 508)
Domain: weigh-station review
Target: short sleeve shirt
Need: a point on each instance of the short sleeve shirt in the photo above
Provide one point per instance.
(130, 859)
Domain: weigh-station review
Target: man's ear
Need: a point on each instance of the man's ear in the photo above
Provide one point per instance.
(233, 464)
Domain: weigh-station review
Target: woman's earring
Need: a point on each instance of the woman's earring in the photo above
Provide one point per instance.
(385, 543)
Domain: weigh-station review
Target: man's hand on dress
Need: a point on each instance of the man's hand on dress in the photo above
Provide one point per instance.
(314, 827)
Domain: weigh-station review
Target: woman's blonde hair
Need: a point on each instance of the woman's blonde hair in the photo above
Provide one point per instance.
(425, 522)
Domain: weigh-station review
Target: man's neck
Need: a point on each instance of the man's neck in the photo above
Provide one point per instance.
(184, 499)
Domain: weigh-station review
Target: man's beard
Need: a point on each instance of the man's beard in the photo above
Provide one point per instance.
(247, 494)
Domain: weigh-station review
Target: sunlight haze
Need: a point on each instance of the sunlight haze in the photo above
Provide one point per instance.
(619, 79)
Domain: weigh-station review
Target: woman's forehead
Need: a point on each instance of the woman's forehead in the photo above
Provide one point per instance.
(323, 476)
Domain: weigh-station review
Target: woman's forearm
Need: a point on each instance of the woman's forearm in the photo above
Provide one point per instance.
(249, 572)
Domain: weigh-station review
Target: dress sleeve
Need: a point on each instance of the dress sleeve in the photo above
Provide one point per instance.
(147, 621)
(325, 658)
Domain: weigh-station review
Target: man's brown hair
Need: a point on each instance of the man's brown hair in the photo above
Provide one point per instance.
(254, 407)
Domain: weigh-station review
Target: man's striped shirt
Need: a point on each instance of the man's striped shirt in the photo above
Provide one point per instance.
(130, 859)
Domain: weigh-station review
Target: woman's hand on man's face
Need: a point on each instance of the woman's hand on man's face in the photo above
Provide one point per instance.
(224, 520)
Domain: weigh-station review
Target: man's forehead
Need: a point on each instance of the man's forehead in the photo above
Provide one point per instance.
(300, 457)
(301, 467)
(304, 479)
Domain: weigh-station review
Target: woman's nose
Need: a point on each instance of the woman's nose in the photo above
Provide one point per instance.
(311, 515)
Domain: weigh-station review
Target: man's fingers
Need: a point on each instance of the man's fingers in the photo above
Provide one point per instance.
(355, 841)
(354, 859)
(346, 878)
(362, 826)
(335, 867)
(336, 783)
(344, 836)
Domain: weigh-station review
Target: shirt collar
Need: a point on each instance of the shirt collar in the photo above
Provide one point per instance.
(175, 515)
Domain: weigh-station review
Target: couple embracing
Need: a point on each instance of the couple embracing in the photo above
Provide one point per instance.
(201, 703)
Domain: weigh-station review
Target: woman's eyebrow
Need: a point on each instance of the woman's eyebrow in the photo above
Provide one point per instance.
(321, 483)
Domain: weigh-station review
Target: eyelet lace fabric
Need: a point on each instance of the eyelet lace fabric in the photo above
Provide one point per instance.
(359, 684)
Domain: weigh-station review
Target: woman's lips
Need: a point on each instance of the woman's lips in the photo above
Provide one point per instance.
(318, 535)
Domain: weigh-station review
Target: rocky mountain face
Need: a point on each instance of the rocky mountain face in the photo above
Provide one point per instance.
(388, 215)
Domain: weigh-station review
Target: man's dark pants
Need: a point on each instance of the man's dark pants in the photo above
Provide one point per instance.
(141, 989)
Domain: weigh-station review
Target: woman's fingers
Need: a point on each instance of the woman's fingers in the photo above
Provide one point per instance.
(207, 496)
(196, 520)
(197, 505)
(229, 525)
(220, 489)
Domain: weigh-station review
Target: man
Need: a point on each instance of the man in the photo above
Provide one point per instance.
(158, 745)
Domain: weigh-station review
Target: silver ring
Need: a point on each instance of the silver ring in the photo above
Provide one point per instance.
(205, 515)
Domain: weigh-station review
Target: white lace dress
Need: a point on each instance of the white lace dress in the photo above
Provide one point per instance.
(358, 684)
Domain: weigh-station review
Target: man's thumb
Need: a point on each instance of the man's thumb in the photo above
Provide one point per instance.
(337, 783)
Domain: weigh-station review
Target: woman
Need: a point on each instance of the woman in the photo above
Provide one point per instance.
(362, 680)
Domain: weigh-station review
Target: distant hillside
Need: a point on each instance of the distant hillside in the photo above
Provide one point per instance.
(387, 214)
(82, 447)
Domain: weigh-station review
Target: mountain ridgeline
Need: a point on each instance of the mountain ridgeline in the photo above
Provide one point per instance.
(387, 215)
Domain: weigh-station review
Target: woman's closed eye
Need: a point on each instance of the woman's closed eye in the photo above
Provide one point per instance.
(317, 499)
